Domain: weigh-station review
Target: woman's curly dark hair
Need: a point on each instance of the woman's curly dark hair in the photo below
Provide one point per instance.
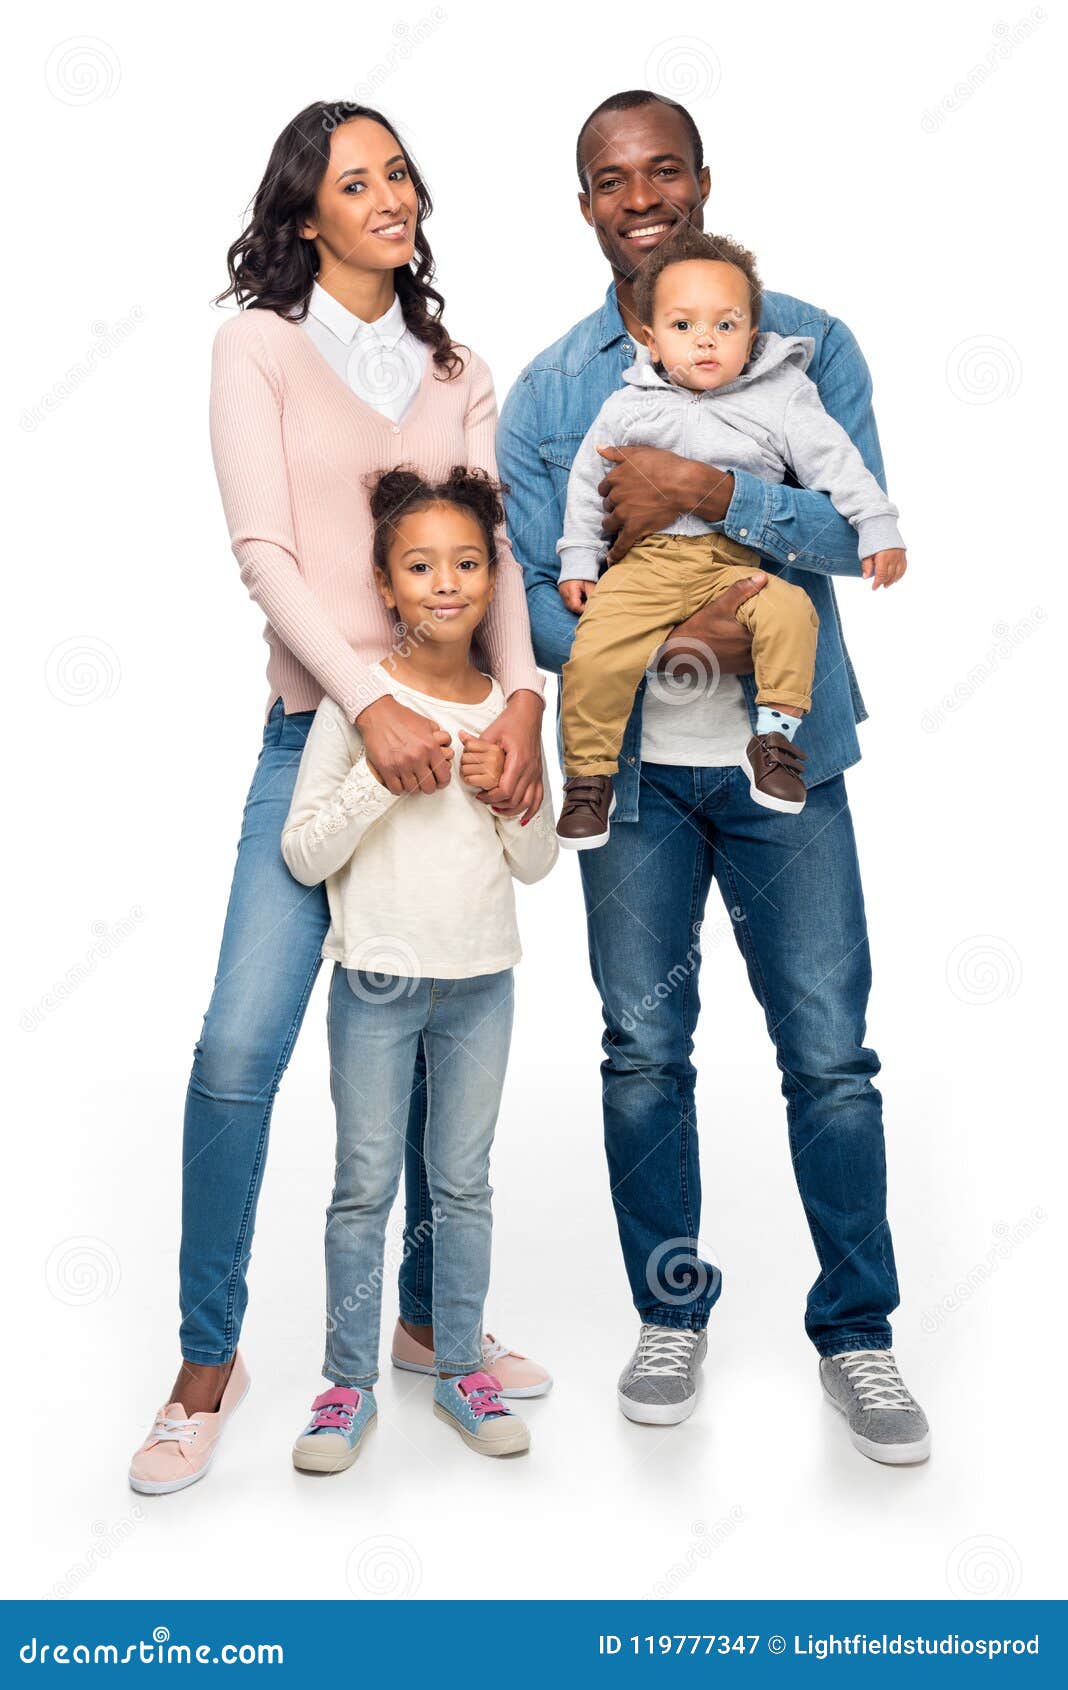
(400, 492)
(272, 267)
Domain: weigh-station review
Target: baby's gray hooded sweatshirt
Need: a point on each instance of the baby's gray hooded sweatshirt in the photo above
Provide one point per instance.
(770, 419)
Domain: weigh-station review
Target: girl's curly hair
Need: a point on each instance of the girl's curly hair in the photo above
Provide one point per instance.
(272, 267)
(399, 492)
(688, 243)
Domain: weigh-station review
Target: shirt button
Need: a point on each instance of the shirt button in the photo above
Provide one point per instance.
(630, 759)
(791, 557)
(743, 532)
(396, 430)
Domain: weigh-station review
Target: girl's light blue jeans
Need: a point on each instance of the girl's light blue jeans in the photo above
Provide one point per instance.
(377, 1025)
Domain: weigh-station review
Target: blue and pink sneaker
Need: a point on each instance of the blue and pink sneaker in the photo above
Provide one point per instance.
(473, 1406)
(331, 1440)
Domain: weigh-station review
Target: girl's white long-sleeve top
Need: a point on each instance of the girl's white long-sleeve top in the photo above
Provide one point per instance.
(419, 885)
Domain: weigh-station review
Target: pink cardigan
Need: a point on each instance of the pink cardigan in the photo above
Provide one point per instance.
(292, 445)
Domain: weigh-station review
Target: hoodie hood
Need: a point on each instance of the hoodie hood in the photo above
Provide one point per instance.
(770, 352)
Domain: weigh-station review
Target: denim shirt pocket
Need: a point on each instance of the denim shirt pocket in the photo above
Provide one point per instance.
(558, 454)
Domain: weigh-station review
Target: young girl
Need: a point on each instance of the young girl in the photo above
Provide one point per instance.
(423, 939)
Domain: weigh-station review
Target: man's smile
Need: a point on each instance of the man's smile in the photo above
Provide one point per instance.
(649, 233)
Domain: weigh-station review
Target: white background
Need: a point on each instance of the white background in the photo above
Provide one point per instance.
(874, 170)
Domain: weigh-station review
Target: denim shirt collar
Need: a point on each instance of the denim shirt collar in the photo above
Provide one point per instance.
(610, 325)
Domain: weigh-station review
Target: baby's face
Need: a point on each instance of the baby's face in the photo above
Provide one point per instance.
(702, 330)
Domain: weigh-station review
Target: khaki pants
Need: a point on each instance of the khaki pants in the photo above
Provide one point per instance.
(638, 601)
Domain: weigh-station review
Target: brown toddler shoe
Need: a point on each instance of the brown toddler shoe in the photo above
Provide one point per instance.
(775, 768)
(588, 803)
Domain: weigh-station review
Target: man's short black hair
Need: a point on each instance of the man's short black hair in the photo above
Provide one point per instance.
(627, 102)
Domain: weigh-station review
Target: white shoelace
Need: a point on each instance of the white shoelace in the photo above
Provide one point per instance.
(175, 1431)
(493, 1350)
(874, 1375)
(664, 1352)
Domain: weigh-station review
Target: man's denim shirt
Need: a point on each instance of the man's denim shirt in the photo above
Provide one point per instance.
(798, 533)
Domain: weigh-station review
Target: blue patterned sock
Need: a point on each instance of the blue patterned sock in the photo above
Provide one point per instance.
(777, 722)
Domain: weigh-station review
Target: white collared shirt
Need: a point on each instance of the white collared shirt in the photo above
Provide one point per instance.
(382, 362)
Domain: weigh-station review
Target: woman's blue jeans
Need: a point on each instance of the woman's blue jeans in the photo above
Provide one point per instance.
(268, 962)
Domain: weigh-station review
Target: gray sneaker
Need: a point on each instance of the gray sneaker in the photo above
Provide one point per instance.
(885, 1421)
(658, 1386)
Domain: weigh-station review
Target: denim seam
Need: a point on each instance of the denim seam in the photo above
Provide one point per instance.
(355, 1382)
(425, 1208)
(688, 1121)
(753, 960)
(693, 1319)
(859, 1341)
(242, 1231)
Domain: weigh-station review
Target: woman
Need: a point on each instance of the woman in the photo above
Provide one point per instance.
(338, 366)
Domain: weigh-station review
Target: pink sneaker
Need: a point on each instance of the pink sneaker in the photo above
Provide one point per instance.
(518, 1376)
(178, 1451)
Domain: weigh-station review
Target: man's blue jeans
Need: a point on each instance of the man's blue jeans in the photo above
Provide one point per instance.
(791, 887)
(268, 962)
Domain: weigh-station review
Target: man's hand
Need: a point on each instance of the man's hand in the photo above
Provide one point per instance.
(715, 628)
(646, 489)
(481, 763)
(575, 594)
(886, 567)
(517, 731)
(409, 752)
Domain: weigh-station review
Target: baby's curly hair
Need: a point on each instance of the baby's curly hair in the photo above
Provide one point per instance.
(396, 493)
(686, 244)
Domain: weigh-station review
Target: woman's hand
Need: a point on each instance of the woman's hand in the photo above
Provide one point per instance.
(517, 731)
(409, 752)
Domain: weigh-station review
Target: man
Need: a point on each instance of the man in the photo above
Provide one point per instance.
(684, 816)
